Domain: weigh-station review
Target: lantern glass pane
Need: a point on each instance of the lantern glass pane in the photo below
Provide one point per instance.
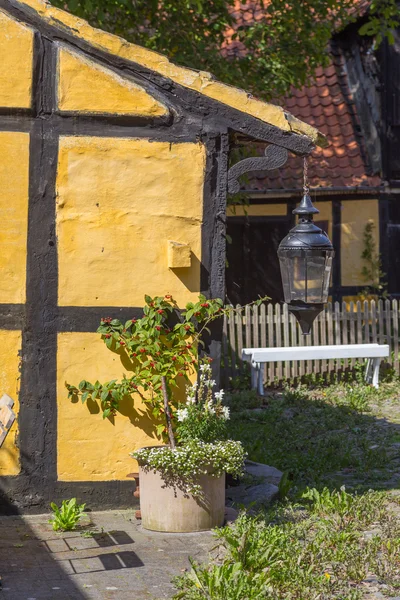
(287, 277)
(306, 274)
(315, 276)
(299, 289)
(327, 275)
(293, 269)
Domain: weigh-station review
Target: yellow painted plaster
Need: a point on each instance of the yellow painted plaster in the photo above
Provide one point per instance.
(355, 215)
(14, 181)
(16, 63)
(200, 81)
(119, 201)
(86, 86)
(258, 210)
(10, 346)
(90, 448)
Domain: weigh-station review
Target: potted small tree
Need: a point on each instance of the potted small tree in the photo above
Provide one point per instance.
(182, 483)
(182, 488)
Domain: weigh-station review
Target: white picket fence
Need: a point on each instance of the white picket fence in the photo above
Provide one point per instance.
(272, 326)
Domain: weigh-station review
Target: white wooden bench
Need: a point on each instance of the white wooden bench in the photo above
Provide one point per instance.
(258, 356)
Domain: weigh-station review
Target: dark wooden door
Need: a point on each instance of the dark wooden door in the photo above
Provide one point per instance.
(252, 260)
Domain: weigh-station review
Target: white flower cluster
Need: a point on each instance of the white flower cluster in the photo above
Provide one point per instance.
(182, 414)
(181, 466)
(201, 395)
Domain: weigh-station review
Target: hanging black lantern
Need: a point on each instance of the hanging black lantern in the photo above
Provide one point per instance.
(305, 257)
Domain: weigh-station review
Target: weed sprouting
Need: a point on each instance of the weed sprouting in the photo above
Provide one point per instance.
(330, 531)
(67, 516)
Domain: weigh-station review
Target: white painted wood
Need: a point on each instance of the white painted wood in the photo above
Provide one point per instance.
(315, 352)
(375, 376)
(258, 356)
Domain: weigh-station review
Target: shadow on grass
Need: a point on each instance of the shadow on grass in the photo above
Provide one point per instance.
(320, 440)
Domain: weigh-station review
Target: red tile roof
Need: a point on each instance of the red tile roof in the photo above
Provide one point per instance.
(326, 104)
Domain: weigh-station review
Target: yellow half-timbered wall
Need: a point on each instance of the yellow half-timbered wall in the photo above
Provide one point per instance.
(120, 201)
(113, 182)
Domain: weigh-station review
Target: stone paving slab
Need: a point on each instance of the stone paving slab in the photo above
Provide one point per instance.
(119, 561)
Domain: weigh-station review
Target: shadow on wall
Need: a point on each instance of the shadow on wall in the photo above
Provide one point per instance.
(139, 417)
(190, 276)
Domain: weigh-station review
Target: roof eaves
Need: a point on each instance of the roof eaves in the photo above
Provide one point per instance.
(199, 81)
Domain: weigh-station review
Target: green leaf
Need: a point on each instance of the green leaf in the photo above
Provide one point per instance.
(160, 429)
(189, 314)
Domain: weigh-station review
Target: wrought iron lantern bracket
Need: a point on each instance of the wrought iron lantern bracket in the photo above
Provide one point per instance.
(274, 157)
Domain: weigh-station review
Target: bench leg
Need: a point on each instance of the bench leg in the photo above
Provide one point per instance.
(375, 376)
(372, 371)
(260, 379)
(253, 375)
(368, 371)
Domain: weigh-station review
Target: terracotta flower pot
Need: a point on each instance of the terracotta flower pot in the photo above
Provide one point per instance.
(165, 508)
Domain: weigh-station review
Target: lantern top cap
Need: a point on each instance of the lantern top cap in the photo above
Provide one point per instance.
(306, 207)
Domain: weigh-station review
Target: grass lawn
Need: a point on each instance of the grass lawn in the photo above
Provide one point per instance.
(336, 531)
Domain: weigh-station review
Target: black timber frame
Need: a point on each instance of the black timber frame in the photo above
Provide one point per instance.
(192, 117)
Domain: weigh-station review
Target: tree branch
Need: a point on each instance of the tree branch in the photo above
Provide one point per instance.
(167, 412)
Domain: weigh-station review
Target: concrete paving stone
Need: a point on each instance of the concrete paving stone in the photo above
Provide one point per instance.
(57, 545)
(139, 563)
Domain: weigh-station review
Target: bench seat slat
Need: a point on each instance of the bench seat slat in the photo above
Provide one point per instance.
(316, 352)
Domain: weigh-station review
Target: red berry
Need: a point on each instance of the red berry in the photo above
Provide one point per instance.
(180, 374)
(134, 354)
(122, 343)
(152, 365)
(108, 335)
(168, 296)
(187, 327)
(160, 311)
(158, 328)
(142, 350)
(174, 358)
